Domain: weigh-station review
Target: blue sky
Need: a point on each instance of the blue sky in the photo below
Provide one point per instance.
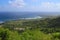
(30, 5)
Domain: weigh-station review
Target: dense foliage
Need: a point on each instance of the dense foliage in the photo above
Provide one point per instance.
(35, 29)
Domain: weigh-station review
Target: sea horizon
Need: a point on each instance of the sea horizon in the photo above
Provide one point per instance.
(5, 16)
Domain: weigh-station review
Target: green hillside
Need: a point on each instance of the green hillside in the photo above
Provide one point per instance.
(34, 29)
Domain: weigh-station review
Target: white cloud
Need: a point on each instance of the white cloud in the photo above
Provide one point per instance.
(17, 3)
(50, 5)
(43, 6)
(47, 6)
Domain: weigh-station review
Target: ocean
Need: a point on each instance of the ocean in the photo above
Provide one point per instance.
(5, 16)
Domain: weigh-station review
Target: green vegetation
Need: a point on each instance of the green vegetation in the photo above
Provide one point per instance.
(37, 29)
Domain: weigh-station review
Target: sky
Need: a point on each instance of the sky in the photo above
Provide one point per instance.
(30, 5)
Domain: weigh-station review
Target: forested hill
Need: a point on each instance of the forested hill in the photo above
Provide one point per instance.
(43, 24)
(33, 29)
